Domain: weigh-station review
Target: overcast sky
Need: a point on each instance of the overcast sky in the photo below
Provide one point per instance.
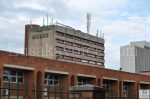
(122, 21)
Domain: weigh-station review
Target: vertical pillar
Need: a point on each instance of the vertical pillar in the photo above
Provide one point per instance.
(65, 86)
(138, 88)
(120, 88)
(132, 89)
(114, 88)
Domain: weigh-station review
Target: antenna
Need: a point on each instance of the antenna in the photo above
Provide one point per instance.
(97, 33)
(43, 22)
(47, 19)
(145, 31)
(31, 23)
(52, 21)
(88, 22)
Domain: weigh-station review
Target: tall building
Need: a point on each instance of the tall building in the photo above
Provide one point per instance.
(135, 57)
(64, 43)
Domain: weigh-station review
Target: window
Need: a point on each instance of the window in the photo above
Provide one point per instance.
(125, 87)
(77, 52)
(92, 42)
(77, 59)
(92, 62)
(59, 48)
(77, 45)
(99, 57)
(93, 49)
(98, 63)
(13, 76)
(77, 38)
(99, 44)
(67, 58)
(58, 56)
(68, 43)
(60, 33)
(82, 81)
(68, 50)
(69, 36)
(85, 40)
(51, 79)
(106, 84)
(99, 50)
(60, 41)
(85, 61)
(91, 55)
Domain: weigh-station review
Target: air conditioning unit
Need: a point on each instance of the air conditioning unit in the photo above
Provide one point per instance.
(5, 92)
(45, 91)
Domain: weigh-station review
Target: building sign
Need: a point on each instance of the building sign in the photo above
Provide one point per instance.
(40, 36)
(144, 94)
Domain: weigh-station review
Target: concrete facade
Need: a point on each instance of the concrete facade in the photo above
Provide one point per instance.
(135, 57)
(64, 43)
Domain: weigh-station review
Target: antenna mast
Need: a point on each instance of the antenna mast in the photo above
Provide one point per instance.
(88, 22)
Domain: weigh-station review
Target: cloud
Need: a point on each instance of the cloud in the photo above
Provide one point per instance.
(122, 21)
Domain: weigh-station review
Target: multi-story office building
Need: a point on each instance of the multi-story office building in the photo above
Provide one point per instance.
(135, 57)
(64, 43)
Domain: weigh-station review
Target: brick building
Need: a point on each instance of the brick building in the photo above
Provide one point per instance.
(29, 70)
(31, 74)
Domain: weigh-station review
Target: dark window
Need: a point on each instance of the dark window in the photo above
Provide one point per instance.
(13, 76)
(106, 84)
(69, 36)
(77, 45)
(59, 48)
(68, 50)
(60, 41)
(125, 87)
(60, 33)
(82, 81)
(68, 43)
(68, 58)
(51, 79)
(77, 59)
(77, 38)
(77, 52)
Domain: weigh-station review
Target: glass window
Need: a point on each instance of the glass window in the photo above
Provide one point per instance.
(77, 52)
(68, 43)
(60, 41)
(85, 61)
(92, 62)
(77, 59)
(68, 50)
(13, 76)
(77, 45)
(69, 36)
(82, 81)
(51, 79)
(106, 84)
(77, 38)
(68, 58)
(98, 63)
(60, 33)
(125, 87)
(59, 48)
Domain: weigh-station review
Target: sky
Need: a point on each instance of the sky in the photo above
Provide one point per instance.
(121, 21)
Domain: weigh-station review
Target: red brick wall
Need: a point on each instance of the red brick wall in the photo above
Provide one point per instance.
(39, 64)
